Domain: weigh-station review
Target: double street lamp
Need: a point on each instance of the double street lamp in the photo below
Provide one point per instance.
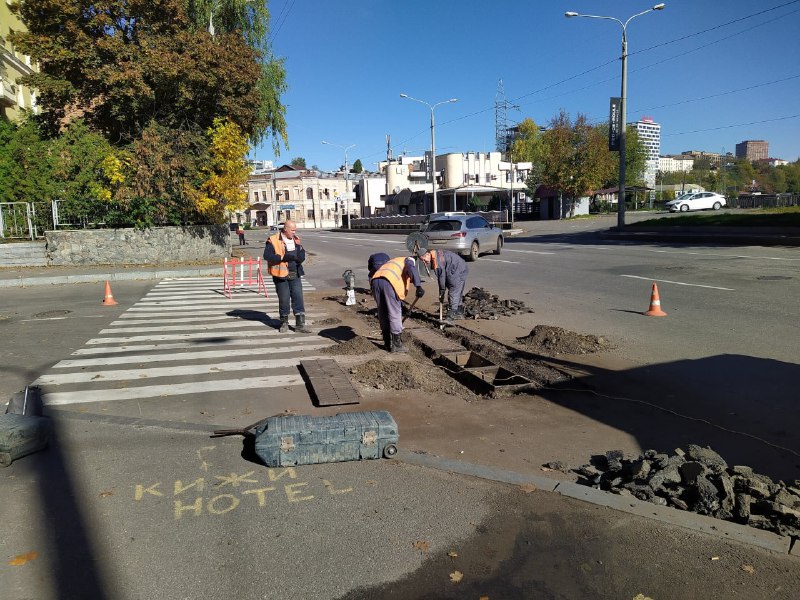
(623, 124)
(346, 178)
(433, 140)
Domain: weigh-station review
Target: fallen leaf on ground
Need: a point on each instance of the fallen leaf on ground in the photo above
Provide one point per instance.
(23, 559)
(106, 494)
(421, 545)
(452, 554)
(484, 598)
(371, 482)
(547, 470)
(456, 576)
(749, 569)
(641, 597)
(715, 558)
(528, 488)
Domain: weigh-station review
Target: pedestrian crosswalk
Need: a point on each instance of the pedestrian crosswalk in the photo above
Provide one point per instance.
(184, 338)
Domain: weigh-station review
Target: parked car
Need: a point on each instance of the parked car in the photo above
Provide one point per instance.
(696, 201)
(468, 235)
(278, 227)
(432, 216)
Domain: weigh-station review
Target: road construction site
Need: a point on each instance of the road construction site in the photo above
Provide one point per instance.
(494, 413)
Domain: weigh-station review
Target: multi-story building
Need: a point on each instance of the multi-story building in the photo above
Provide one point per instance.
(675, 164)
(714, 158)
(650, 135)
(14, 98)
(459, 177)
(309, 197)
(752, 149)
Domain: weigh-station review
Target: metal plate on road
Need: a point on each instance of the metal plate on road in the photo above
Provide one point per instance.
(330, 383)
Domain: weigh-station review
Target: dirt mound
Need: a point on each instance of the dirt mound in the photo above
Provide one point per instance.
(406, 375)
(480, 304)
(353, 346)
(328, 321)
(555, 340)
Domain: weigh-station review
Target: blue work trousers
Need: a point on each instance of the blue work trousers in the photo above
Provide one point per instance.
(290, 296)
(390, 310)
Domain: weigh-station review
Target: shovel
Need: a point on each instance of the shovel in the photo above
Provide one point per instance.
(410, 308)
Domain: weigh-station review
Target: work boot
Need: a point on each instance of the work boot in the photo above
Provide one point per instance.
(397, 344)
(457, 314)
(387, 340)
(300, 323)
(284, 328)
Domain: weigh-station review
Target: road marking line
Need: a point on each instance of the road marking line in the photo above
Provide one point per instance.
(252, 345)
(722, 255)
(184, 327)
(711, 287)
(177, 389)
(511, 262)
(212, 316)
(182, 336)
(171, 371)
(527, 251)
(175, 356)
(67, 317)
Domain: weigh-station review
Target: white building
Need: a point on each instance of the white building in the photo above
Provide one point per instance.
(459, 177)
(309, 197)
(675, 164)
(650, 135)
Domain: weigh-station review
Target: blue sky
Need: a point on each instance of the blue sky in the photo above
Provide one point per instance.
(712, 72)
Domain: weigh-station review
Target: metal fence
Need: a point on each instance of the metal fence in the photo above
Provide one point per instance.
(764, 201)
(17, 220)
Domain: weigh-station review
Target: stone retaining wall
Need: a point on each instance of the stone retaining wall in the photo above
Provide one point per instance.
(159, 245)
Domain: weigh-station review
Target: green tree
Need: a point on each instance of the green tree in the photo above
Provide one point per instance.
(120, 64)
(357, 166)
(298, 162)
(529, 147)
(227, 174)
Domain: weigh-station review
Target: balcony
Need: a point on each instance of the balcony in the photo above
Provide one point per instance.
(8, 93)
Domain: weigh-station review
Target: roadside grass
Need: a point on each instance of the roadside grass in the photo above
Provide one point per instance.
(767, 217)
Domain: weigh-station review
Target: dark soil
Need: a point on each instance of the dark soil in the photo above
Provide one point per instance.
(354, 346)
(480, 304)
(328, 321)
(555, 340)
(406, 375)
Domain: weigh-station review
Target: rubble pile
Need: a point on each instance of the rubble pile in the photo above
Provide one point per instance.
(699, 480)
(480, 304)
(556, 340)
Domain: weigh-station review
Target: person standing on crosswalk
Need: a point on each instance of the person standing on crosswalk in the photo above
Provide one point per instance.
(285, 256)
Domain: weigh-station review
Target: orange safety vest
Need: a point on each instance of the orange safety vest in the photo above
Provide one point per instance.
(394, 272)
(279, 269)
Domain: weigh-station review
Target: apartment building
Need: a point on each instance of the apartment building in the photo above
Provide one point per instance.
(675, 164)
(650, 135)
(14, 98)
(459, 177)
(752, 149)
(309, 197)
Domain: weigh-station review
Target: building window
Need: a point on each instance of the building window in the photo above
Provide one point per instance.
(309, 194)
(310, 213)
(264, 195)
(256, 196)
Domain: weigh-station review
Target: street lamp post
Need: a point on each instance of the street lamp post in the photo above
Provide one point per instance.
(623, 101)
(433, 140)
(346, 178)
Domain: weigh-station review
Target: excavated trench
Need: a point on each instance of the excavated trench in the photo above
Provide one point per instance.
(480, 364)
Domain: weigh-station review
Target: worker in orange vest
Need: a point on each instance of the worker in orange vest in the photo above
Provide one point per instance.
(391, 280)
(285, 255)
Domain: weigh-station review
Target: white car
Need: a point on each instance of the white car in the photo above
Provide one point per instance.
(696, 201)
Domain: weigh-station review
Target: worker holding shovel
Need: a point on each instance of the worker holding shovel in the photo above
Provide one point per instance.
(391, 280)
(451, 271)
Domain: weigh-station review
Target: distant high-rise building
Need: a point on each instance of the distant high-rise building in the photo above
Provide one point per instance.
(752, 149)
(650, 135)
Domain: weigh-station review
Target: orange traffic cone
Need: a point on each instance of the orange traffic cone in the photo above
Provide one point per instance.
(655, 304)
(109, 299)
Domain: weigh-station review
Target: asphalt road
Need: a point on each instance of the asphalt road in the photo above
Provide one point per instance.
(139, 501)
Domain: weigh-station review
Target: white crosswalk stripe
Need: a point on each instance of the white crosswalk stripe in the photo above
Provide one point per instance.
(184, 337)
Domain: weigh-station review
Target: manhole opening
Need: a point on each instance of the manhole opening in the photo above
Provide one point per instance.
(51, 313)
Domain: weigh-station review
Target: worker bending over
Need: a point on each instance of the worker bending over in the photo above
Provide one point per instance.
(391, 280)
(451, 271)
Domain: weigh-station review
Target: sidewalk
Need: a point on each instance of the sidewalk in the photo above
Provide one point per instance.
(30, 276)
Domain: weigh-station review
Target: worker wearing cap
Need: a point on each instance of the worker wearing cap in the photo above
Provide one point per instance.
(451, 271)
(391, 279)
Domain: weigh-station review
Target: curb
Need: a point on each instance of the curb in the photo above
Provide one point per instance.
(701, 238)
(100, 277)
(717, 527)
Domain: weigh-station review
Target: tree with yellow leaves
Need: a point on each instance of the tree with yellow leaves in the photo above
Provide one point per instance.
(223, 190)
